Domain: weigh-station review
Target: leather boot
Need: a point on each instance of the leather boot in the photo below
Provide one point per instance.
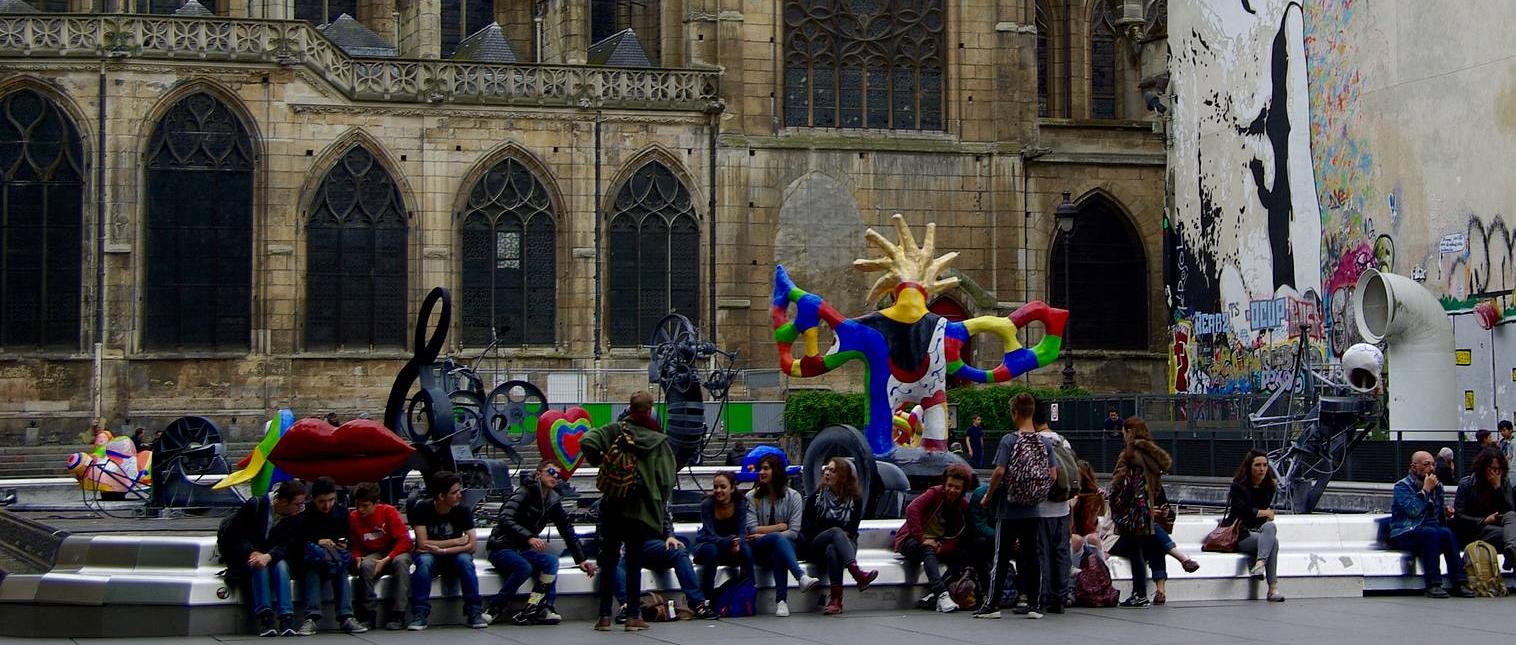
(834, 605)
(863, 578)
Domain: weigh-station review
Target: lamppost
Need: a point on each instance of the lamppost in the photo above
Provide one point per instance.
(1065, 216)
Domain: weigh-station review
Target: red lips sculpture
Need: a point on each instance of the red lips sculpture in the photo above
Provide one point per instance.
(359, 451)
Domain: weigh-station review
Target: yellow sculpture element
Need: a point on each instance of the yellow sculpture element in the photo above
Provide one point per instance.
(907, 263)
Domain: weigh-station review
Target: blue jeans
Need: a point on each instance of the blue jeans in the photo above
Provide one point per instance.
(656, 557)
(1144, 552)
(273, 580)
(1427, 543)
(342, 595)
(710, 556)
(779, 552)
(517, 565)
(457, 564)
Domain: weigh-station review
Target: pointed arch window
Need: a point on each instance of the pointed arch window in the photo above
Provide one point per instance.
(320, 12)
(1044, 30)
(1109, 280)
(461, 18)
(41, 210)
(654, 245)
(356, 257)
(1102, 66)
(864, 64)
(199, 229)
(509, 259)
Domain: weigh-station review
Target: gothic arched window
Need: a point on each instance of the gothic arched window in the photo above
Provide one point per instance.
(355, 274)
(461, 18)
(41, 209)
(1108, 276)
(199, 278)
(1102, 67)
(320, 12)
(864, 64)
(654, 243)
(509, 274)
(1044, 89)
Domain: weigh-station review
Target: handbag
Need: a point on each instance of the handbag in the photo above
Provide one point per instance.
(1223, 538)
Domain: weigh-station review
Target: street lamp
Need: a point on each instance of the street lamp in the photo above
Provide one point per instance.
(1065, 216)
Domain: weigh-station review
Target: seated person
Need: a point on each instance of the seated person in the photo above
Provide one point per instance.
(255, 546)
(444, 544)
(1417, 525)
(935, 522)
(326, 558)
(725, 524)
(518, 553)
(381, 545)
(661, 554)
(1483, 507)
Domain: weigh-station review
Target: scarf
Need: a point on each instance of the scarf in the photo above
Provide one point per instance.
(644, 419)
(833, 508)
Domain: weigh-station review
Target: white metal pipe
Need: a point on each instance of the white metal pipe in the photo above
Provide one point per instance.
(1406, 317)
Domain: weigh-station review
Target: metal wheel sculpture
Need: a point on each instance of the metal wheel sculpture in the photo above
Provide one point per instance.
(511, 413)
(676, 353)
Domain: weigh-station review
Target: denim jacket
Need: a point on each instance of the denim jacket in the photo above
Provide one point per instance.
(1413, 509)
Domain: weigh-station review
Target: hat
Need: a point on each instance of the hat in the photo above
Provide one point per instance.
(1480, 436)
(749, 472)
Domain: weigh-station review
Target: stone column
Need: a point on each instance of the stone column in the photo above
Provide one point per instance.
(515, 18)
(378, 15)
(566, 29)
(420, 28)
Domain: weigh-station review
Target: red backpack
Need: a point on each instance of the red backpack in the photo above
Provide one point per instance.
(1092, 587)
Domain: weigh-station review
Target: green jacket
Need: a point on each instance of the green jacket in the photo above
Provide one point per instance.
(655, 474)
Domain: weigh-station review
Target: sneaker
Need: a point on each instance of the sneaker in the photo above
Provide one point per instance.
(1137, 601)
(1276, 597)
(808, 583)
(1190, 566)
(945, 603)
(417, 624)
(476, 621)
(548, 615)
(352, 626)
(987, 610)
(309, 627)
(489, 615)
(1464, 591)
(704, 611)
(1436, 591)
(1021, 607)
(1033, 613)
(782, 609)
(265, 625)
(1258, 570)
(621, 616)
(287, 625)
(927, 602)
(395, 625)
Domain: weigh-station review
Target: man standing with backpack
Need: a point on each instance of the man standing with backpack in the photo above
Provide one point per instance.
(1053, 540)
(636, 480)
(1025, 469)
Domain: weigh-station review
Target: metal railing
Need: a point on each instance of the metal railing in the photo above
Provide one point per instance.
(296, 43)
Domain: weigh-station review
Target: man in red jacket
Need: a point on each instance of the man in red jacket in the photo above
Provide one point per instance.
(381, 544)
(933, 524)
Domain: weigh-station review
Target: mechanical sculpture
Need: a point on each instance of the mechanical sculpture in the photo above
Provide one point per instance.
(908, 354)
(676, 353)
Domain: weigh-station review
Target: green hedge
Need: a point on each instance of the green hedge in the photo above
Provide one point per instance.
(807, 412)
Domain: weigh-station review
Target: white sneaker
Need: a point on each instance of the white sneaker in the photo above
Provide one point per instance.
(782, 609)
(808, 583)
(945, 604)
(308, 628)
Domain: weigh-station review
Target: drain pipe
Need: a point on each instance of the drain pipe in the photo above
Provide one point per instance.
(1407, 318)
(599, 223)
(97, 388)
(714, 110)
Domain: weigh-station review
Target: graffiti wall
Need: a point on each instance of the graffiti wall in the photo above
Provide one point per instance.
(1314, 139)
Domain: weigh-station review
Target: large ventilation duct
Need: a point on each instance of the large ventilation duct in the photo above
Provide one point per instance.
(1418, 338)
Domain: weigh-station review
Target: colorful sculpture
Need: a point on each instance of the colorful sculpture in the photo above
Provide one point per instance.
(255, 468)
(358, 451)
(558, 435)
(908, 351)
(908, 430)
(113, 465)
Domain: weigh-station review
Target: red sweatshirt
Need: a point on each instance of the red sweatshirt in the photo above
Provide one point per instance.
(383, 530)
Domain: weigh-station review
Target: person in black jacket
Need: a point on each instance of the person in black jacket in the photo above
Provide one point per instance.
(725, 525)
(325, 558)
(518, 553)
(255, 545)
(830, 528)
(1252, 494)
(1483, 508)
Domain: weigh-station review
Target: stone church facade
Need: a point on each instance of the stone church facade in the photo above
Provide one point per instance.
(226, 208)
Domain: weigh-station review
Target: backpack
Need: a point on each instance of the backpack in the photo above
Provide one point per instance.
(1092, 587)
(1027, 480)
(964, 588)
(736, 598)
(1131, 511)
(655, 609)
(1067, 484)
(617, 477)
(1483, 567)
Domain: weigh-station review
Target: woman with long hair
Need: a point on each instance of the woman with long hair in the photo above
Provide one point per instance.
(1252, 493)
(725, 525)
(1088, 506)
(777, 512)
(1484, 508)
(830, 527)
(1137, 485)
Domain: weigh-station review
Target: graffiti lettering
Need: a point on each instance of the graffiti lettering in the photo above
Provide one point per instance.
(1267, 314)
(1212, 324)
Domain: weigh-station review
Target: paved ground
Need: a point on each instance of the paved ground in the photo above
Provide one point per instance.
(1367, 621)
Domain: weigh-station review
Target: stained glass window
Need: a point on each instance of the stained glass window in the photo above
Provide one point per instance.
(1102, 67)
(654, 247)
(509, 259)
(864, 64)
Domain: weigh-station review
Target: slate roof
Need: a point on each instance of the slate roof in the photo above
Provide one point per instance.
(621, 49)
(193, 8)
(16, 6)
(488, 45)
(356, 39)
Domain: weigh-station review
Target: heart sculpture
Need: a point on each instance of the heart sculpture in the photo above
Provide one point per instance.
(358, 451)
(558, 435)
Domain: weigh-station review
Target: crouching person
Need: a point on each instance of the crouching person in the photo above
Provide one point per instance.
(444, 545)
(255, 545)
(519, 553)
(381, 545)
(934, 523)
(326, 558)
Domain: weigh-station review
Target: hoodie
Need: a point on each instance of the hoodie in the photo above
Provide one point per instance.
(526, 512)
(934, 503)
(655, 472)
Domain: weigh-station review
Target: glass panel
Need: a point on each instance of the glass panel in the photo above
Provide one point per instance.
(509, 233)
(476, 303)
(621, 289)
(1102, 69)
(1108, 280)
(356, 257)
(649, 274)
